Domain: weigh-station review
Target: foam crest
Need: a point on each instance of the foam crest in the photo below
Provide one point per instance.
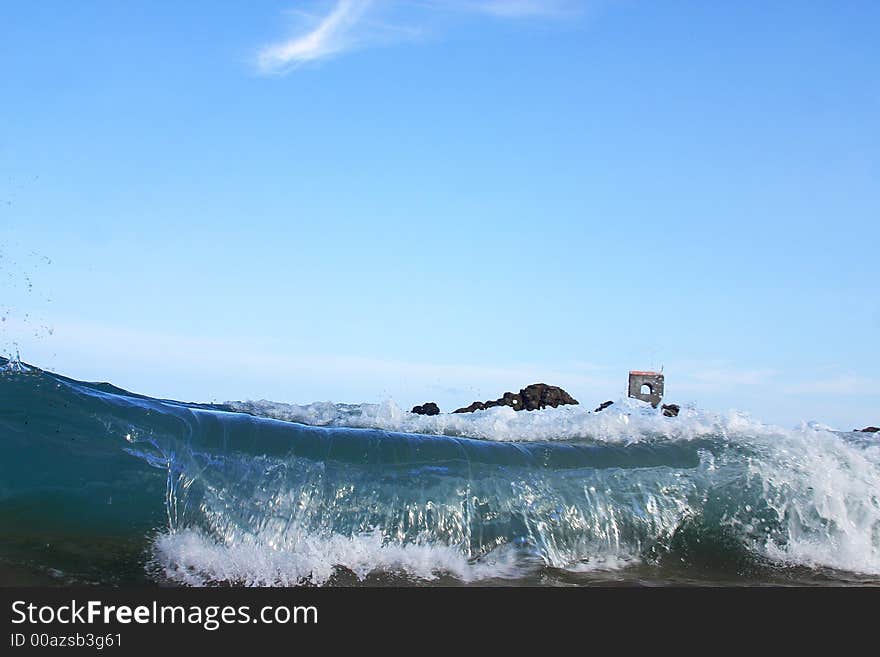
(625, 421)
(192, 558)
(13, 364)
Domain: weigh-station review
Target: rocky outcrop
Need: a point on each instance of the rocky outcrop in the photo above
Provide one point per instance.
(428, 408)
(530, 398)
(869, 430)
(670, 410)
(476, 406)
(540, 395)
(603, 406)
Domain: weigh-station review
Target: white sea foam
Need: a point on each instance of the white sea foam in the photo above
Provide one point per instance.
(825, 492)
(14, 364)
(190, 557)
(626, 420)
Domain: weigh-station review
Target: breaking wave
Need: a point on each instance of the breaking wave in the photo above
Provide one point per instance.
(259, 493)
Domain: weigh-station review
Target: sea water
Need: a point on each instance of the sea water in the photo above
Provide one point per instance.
(100, 485)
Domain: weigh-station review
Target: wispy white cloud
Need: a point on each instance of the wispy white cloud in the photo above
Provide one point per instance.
(844, 384)
(355, 24)
(169, 365)
(731, 376)
(694, 376)
(334, 33)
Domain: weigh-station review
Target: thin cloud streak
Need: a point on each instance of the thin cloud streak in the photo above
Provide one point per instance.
(351, 25)
(97, 347)
(849, 385)
(335, 33)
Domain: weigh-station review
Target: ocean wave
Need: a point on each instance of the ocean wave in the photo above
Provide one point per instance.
(250, 494)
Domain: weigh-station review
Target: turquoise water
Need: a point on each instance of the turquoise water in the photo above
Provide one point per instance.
(99, 485)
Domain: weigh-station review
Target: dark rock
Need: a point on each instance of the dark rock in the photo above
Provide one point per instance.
(603, 406)
(515, 401)
(530, 398)
(869, 430)
(670, 410)
(476, 406)
(429, 408)
(540, 395)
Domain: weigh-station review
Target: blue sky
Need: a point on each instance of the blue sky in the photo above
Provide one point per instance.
(445, 200)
